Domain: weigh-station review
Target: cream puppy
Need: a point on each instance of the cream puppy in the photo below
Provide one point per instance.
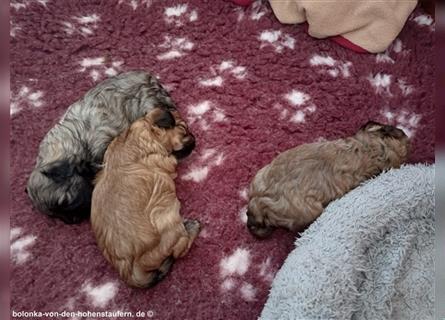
(292, 191)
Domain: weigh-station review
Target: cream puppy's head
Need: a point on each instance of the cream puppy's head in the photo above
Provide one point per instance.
(164, 128)
(393, 139)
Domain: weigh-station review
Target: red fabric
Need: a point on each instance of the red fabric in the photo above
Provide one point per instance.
(243, 3)
(348, 44)
(270, 96)
(342, 41)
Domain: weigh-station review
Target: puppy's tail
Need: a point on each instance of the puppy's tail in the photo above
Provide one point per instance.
(138, 277)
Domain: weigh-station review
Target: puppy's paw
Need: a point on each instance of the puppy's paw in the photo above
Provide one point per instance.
(192, 226)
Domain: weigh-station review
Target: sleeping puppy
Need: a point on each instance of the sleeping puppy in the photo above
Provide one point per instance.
(72, 151)
(292, 191)
(135, 211)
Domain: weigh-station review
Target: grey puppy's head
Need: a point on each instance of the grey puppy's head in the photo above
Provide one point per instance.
(71, 153)
(63, 189)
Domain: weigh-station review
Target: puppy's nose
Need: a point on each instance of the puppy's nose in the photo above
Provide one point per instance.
(260, 231)
(190, 142)
(250, 220)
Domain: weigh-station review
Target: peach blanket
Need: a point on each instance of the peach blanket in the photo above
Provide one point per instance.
(371, 24)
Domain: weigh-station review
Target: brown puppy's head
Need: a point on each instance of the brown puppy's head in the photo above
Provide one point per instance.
(257, 226)
(393, 138)
(171, 131)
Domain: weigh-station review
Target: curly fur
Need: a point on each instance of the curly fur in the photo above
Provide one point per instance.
(293, 190)
(135, 211)
(72, 151)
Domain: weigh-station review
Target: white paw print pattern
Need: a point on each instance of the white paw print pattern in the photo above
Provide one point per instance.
(405, 120)
(423, 20)
(243, 193)
(176, 48)
(84, 25)
(25, 96)
(258, 10)
(101, 295)
(331, 66)
(248, 291)
(23, 4)
(232, 268)
(382, 84)
(225, 68)
(98, 296)
(265, 270)
(276, 39)
(405, 87)
(137, 3)
(387, 56)
(98, 68)
(255, 11)
(205, 113)
(208, 159)
(13, 28)
(235, 264)
(301, 106)
(179, 15)
(20, 246)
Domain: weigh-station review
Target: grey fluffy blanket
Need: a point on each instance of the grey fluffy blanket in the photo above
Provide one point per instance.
(370, 255)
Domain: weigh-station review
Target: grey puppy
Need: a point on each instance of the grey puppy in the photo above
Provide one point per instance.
(292, 191)
(72, 152)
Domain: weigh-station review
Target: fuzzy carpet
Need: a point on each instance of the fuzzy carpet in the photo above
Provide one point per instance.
(250, 88)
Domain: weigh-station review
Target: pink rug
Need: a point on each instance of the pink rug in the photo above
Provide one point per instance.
(250, 88)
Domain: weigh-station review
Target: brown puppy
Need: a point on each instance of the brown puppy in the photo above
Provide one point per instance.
(293, 190)
(135, 212)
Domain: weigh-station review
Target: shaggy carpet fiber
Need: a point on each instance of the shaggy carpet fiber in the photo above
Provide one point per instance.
(249, 87)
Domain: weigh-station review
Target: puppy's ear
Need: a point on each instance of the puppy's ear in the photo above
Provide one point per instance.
(58, 170)
(393, 132)
(87, 169)
(372, 126)
(164, 119)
